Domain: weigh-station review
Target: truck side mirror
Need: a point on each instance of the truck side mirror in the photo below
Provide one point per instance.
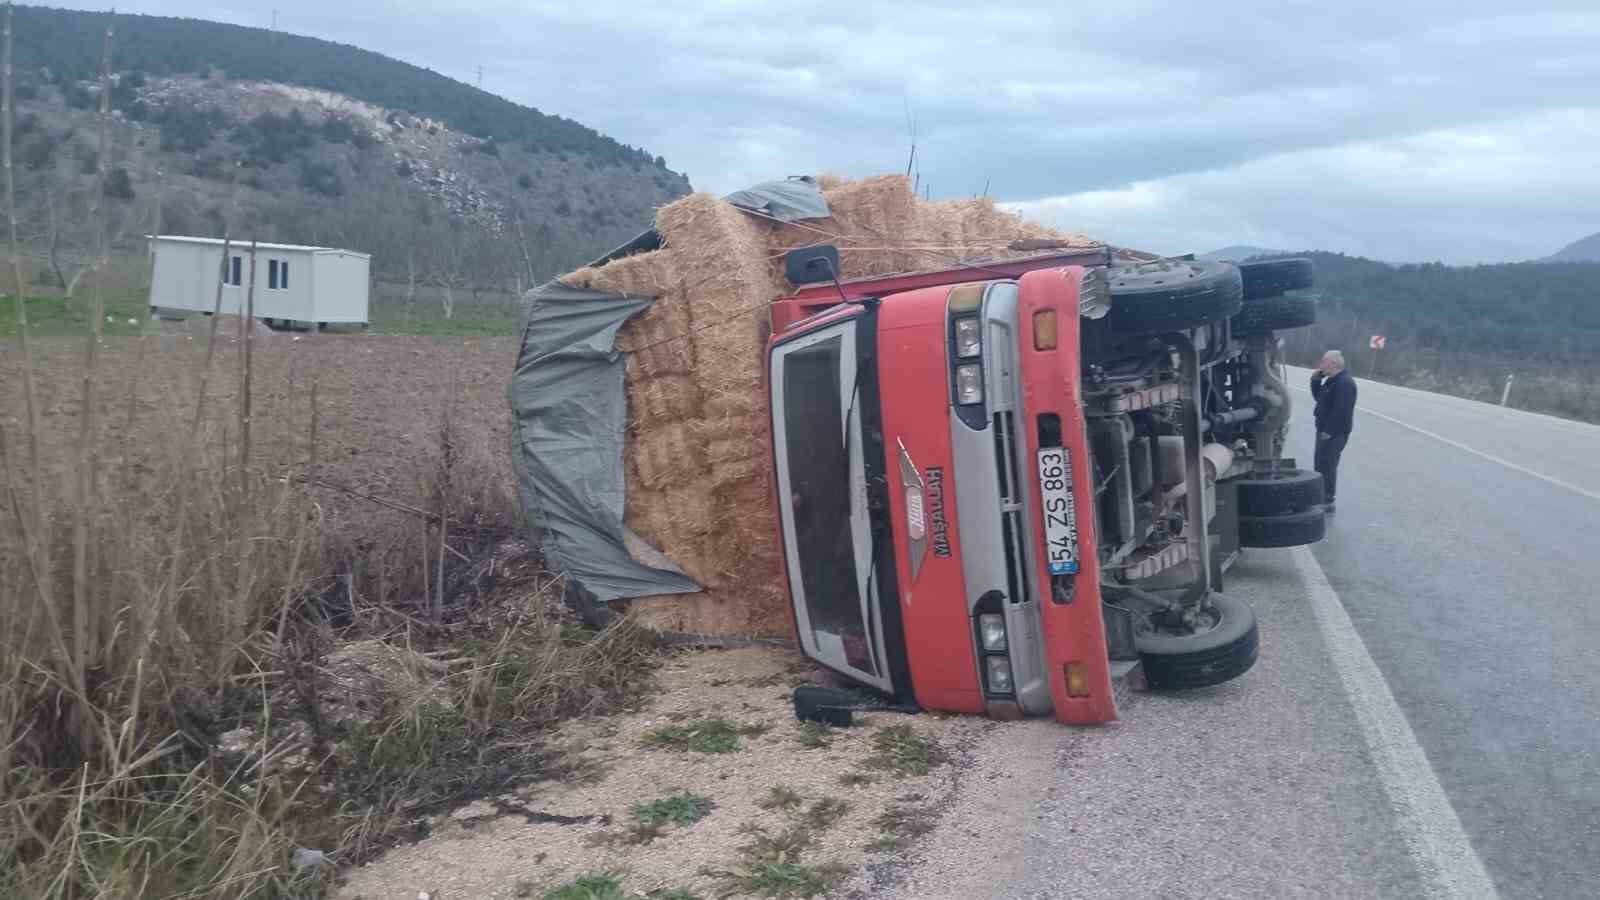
(811, 265)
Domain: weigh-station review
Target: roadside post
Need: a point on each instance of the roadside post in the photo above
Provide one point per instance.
(1505, 395)
(1376, 343)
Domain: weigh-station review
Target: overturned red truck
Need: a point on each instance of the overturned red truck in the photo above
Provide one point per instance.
(1008, 488)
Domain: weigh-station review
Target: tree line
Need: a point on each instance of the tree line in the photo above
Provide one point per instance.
(1463, 329)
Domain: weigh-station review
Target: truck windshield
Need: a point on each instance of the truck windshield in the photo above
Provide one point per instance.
(817, 430)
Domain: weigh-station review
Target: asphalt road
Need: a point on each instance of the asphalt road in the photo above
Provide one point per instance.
(1463, 550)
(1424, 720)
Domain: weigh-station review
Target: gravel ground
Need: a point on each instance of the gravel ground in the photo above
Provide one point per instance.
(1261, 787)
(482, 852)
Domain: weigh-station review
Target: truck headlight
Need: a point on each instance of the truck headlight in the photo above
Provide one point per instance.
(999, 674)
(969, 337)
(992, 631)
(969, 384)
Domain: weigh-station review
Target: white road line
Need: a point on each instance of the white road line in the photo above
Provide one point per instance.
(1426, 820)
(1592, 495)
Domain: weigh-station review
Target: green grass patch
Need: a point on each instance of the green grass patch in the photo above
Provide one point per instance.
(899, 749)
(595, 886)
(822, 814)
(701, 736)
(902, 824)
(683, 809)
(57, 317)
(772, 865)
(468, 320)
(815, 735)
(672, 894)
(781, 878)
(779, 797)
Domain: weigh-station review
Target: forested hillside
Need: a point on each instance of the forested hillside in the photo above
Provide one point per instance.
(1463, 329)
(218, 129)
(68, 44)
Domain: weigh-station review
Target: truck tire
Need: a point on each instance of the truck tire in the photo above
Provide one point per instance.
(1288, 530)
(1226, 651)
(1172, 295)
(1269, 314)
(1271, 277)
(1289, 491)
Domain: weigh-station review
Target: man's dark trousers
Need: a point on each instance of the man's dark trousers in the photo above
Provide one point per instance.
(1328, 451)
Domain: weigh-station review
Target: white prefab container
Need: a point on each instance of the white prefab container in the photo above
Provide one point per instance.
(294, 285)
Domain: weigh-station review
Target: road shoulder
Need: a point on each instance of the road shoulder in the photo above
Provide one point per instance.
(1263, 787)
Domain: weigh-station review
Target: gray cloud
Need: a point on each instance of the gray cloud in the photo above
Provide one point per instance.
(1088, 108)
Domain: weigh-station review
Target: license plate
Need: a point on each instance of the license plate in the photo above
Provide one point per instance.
(1060, 511)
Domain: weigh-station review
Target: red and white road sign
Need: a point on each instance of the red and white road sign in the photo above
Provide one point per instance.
(1377, 342)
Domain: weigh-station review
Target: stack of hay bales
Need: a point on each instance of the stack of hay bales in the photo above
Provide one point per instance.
(697, 455)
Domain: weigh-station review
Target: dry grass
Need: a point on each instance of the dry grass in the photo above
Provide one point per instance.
(260, 606)
(215, 591)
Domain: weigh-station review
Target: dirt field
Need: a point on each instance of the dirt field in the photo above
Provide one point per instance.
(379, 400)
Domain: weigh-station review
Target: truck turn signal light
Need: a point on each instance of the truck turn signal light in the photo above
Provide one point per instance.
(1077, 679)
(1044, 329)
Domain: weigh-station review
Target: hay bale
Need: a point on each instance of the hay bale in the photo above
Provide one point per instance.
(667, 456)
(698, 478)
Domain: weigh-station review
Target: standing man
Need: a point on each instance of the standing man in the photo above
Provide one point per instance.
(1335, 393)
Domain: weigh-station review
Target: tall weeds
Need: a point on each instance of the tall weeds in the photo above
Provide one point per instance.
(132, 596)
(162, 585)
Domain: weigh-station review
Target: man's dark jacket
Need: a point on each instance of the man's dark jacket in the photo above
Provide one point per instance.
(1336, 402)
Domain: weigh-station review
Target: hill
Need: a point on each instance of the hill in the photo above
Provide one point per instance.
(1462, 329)
(299, 140)
(1239, 252)
(68, 43)
(1582, 250)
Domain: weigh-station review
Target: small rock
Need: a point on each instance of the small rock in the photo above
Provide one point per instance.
(304, 858)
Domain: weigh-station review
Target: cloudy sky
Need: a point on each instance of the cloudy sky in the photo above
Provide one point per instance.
(1458, 130)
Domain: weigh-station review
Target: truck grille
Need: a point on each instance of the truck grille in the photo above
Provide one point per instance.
(1011, 494)
(1005, 458)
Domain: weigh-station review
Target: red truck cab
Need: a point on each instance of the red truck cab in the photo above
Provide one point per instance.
(931, 461)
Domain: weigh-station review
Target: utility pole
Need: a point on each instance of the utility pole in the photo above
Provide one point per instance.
(480, 78)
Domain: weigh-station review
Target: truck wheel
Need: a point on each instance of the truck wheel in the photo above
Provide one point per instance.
(1291, 490)
(1271, 277)
(1288, 530)
(1226, 650)
(1269, 314)
(1172, 295)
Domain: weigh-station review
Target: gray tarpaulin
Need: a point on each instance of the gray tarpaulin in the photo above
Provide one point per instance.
(569, 410)
(787, 201)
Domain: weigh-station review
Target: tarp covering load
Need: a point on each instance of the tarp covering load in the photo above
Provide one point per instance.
(675, 450)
